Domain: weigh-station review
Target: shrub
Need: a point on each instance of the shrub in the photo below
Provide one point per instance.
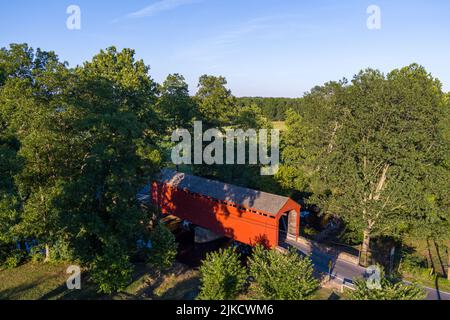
(279, 276)
(388, 289)
(413, 264)
(5, 251)
(14, 259)
(111, 271)
(222, 276)
(62, 251)
(164, 247)
(36, 254)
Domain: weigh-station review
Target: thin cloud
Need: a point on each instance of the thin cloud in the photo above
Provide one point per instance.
(261, 29)
(160, 6)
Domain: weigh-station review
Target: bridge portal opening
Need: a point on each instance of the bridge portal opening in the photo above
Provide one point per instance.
(288, 225)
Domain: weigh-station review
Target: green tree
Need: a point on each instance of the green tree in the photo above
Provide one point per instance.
(294, 172)
(118, 127)
(251, 117)
(86, 141)
(222, 276)
(273, 109)
(248, 175)
(164, 247)
(310, 137)
(279, 276)
(216, 104)
(177, 107)
(385, 146)
(29, 99)
(111, 270)
(433, 224)
(9, 202)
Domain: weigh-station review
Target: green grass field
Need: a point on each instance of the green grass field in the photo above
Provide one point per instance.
(32, 281)
(439, 282)
(327, 294)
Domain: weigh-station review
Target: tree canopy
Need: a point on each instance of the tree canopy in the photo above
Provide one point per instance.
(76, 145)
(375, 154)
(279, 276)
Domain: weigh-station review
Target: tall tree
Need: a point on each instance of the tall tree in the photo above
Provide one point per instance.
(88, 140)
(10, 164)
(384, 150)
(118, 126)
(310, 136)
(216, 104)
(29, 105)
(175, 103)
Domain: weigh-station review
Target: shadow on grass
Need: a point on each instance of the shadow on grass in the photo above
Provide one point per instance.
(63, 293)
(187, 289)
(17, 292)
(334, 296)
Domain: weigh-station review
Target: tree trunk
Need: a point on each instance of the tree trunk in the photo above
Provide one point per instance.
(448, 263)
(441, 263)
(430, 257)
(364, 261)
(47, 253)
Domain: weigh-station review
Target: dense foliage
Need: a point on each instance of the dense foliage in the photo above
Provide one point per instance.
(273, 109)
(387, 289)
(279, 276)
(163, 247)
(76, 144)
(376, 155)
(112, 269)
(222, 276)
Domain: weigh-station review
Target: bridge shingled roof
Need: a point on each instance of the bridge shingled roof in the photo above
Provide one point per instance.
(249, 198)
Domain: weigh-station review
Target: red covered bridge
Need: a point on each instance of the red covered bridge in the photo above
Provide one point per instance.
(245, 215)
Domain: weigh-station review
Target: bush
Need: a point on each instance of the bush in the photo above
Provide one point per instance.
(164, 247)
(111, 271)
(279, 276)
(5, 251)
(414, 264)
(388, 289)
(14, 259)
(36, 254)
(62, 251)
(222, 276)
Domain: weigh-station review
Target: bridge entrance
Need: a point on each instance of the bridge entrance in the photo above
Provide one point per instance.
(288, 226)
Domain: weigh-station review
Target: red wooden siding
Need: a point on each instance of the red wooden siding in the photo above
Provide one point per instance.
(246, 225)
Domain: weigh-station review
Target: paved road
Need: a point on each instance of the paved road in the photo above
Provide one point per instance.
(345, 271)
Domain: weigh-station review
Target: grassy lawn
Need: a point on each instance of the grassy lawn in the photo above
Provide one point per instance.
(184, 286)
(33, 281)
(442, 283)
(327, 294)
(321, 294)
(439, 259)
(177, 283)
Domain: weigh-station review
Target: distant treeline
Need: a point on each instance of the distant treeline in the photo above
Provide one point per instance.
(273, 109)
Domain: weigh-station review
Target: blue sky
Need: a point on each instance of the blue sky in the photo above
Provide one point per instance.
(262, 47)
